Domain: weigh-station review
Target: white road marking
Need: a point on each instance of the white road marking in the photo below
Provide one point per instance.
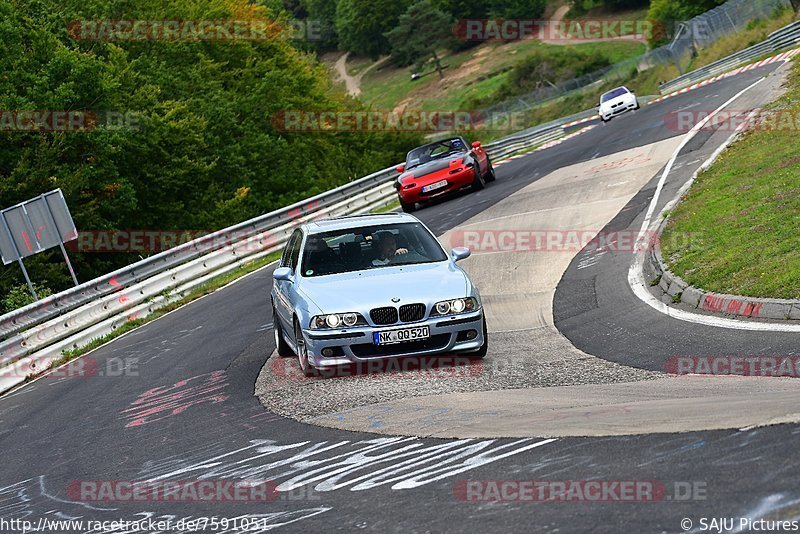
(692, 133)
(636, 272)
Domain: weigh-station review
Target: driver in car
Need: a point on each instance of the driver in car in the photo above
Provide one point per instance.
(387, 250)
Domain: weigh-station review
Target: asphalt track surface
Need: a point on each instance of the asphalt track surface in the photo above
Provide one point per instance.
(184, 409)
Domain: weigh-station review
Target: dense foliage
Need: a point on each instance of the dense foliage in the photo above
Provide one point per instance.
(581, 7)
(421, 31)
(360, 25)
(204, 153)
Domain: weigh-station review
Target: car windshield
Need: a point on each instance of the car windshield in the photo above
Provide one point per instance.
(438, 150)
(613, 94)
(369, 247)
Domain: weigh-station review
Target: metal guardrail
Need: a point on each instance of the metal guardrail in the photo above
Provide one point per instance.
(784, 38)
(65, 301)
(36, 335)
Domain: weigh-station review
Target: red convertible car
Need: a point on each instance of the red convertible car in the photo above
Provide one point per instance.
(442, 167)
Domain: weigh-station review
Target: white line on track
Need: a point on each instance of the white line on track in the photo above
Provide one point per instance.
(636, 272)
(692, 133)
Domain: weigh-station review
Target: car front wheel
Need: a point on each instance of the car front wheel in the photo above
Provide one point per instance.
(481, 352)
(490, 175)
(302, 353)
(478, 183)
(281, 346)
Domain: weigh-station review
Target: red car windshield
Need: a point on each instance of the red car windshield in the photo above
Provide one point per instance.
(438, 150)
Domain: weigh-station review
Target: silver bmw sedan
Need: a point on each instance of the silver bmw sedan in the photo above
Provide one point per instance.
(359, 288)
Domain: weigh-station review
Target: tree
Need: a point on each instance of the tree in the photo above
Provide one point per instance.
(464, 9)
(322, 18)
(518, 9)
(361, 25)
(204, 151)
(421, 30)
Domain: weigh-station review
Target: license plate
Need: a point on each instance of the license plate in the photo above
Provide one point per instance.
(388, 337)
(437, 185)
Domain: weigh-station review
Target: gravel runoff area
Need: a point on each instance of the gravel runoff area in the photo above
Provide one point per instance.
(528, 359)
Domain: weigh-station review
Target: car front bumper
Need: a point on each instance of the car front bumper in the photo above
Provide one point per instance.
(455, 182)
(448, 334)
(620, 109)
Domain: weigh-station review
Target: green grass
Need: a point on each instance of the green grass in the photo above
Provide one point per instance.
(204, 289)
(393, 206)
(387, 87)
(745, 214)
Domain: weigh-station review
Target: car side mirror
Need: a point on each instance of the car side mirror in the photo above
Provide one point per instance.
(460, 253)
(400, 168)
(283, 273)
(476, 144)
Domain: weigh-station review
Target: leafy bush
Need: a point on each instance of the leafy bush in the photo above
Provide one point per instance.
(19, 296)
(542, 68)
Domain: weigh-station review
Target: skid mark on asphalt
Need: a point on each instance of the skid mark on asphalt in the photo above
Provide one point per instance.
(165, 401)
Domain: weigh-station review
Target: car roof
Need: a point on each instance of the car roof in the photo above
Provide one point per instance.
(356, 221)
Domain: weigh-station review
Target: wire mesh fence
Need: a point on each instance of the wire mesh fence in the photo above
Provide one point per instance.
(708, 28)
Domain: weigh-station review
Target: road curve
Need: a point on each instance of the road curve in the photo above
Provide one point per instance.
(173, 400)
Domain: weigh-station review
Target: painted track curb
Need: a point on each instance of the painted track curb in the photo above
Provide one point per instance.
(785, 56)
(673, 289)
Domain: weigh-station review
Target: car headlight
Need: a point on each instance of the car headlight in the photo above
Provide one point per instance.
(455, 306)
(337, 320)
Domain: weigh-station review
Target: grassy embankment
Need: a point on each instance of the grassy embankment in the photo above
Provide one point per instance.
(746, 207)
(474, 74)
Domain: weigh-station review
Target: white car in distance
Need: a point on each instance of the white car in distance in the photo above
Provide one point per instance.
(616, 102)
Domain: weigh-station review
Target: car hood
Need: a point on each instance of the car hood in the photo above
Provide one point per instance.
(434, 166)
(361, 291)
